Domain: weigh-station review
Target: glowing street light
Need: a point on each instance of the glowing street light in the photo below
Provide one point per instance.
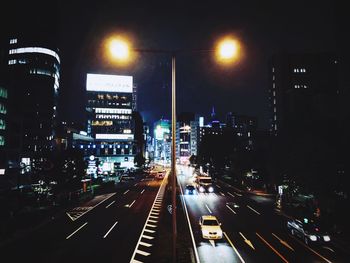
(228, 50)
(119, 49)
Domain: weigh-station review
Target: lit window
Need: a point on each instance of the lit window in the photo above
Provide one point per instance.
(13, 41)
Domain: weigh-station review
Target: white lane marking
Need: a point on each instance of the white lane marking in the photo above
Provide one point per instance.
(189, 225)
(142, 235)
(110, 204)
(234, 248)
(132, 203)
(316, 253)
(150, 225)
(72, 218)
(142, 191)
(145, 244)
(153, 216)
(253, 209)
(89, 208)
(237, 194)
(230, 194)
(208, 209)
(222, 193)
(148, 237)
(325, 247)
(110, 229)
(142, 252)
(149, 230)
(272, 248)
(126, 192)
(218, 186)
(152, 221)
(76, 230)
(135, 184)
(231, 209)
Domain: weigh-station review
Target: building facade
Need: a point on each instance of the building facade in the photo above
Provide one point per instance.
(162, 141)
(110, 122)
(303, 91)
(187, 131)
(33, 77)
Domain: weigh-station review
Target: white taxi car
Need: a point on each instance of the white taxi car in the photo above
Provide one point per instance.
(210, 227)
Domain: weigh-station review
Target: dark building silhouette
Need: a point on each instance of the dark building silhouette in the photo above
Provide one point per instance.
(33, 74)
(303, 92)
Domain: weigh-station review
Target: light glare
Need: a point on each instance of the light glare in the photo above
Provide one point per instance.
(119, 49)
(228, 49)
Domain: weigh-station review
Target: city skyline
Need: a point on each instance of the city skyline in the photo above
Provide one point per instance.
(241, 88)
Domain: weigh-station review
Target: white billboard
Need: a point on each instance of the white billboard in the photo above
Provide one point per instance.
(109, 83)
(115, 136)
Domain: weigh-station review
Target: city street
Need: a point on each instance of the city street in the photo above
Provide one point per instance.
(107, 229)
(253, 230)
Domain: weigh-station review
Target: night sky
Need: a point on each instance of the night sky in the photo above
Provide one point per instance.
(263, 28)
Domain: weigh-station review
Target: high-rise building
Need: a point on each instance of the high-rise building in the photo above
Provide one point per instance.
(187, 130)
(33, 76)
(244, 127)
(3, 116)
(162, 141)
(303, 91)
(110, 123)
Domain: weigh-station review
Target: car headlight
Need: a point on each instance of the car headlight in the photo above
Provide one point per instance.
(201, 189)
(326, 238)
(313, 237)
(219, 232)
(211, 189)
(205, 232)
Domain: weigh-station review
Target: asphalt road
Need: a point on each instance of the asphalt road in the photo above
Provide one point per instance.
(253, 230)
(111, 228)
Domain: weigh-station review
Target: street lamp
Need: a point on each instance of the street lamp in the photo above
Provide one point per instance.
(227, 51)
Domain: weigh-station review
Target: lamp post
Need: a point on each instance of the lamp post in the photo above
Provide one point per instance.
(227, 50)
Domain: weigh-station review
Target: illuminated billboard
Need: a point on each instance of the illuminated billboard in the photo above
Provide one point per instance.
(115, 136)
(109, 83)
(160, 132)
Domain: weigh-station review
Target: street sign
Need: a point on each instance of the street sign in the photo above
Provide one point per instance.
(170, 209)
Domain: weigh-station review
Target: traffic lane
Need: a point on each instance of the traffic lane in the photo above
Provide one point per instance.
(238, 230)
(278, 223)
(208, 251)
(113, 241)
(269, 228)
(44, 238)
(50, 236)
